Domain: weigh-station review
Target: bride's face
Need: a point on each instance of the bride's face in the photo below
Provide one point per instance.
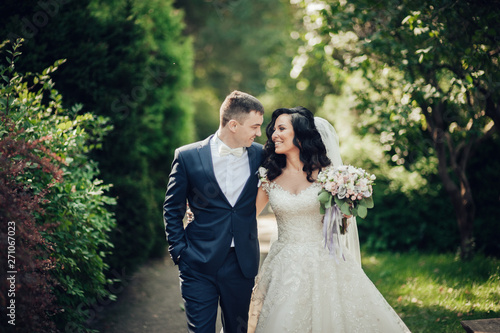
(283, 135)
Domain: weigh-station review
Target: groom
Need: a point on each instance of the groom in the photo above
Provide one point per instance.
(218, 252)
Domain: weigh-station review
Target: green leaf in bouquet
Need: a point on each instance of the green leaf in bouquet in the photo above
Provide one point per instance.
(362, 211)
(368, 202)
(345, 208)
(328, 204)
(354, 211)
(324, 197)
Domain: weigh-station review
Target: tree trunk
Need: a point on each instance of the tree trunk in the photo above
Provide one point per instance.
(461, 196)
(464, 208)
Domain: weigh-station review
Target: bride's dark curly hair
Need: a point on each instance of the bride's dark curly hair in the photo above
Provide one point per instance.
(307, 139)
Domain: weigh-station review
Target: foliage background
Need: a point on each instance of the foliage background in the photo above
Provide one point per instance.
(129, 65)
(126, 60)
(142, 78)
(429, 92)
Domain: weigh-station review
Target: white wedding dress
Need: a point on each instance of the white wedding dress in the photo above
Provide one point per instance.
(302, 288)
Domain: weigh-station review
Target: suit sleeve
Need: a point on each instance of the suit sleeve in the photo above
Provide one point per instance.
(174, 208)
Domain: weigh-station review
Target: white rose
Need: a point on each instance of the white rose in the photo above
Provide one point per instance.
(342, 192)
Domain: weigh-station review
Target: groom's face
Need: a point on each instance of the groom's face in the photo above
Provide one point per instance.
(246, 132)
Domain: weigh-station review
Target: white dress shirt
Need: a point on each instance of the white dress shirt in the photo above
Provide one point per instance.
(230, 171)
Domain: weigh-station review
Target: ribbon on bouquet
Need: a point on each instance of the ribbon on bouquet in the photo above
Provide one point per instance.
(331, 231)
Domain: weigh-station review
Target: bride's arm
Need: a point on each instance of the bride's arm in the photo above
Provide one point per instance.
(261, 201)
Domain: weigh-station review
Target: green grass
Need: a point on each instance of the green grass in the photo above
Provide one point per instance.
(433, 293)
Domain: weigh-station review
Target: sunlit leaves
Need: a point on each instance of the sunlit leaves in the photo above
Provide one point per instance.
(420, 42)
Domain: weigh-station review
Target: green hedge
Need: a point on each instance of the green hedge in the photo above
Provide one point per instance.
(62, 238)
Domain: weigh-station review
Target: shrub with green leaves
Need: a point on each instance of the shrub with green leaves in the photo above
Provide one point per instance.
(51, 146)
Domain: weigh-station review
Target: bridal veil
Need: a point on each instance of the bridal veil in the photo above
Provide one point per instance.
(331, 141)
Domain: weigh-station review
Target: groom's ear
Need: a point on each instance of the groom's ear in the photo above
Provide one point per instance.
(232, 125)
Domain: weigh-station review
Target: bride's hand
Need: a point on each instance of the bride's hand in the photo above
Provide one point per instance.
(189, 214)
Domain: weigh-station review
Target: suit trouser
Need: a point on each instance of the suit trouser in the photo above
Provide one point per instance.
(202, 293)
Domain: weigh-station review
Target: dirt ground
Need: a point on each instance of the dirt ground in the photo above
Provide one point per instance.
(152, 302)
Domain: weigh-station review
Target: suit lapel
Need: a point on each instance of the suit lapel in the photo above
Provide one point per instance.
(205, 152)
(252, 158)
(253, 161)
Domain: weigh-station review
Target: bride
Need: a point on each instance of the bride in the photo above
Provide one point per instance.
(301, 287)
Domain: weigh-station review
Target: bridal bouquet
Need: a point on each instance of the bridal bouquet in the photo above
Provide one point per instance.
(345, 189)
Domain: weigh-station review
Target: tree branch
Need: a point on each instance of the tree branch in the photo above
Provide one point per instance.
(448, 183)
(491, 110)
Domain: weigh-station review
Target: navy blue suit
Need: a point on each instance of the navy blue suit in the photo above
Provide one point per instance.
(210, 270)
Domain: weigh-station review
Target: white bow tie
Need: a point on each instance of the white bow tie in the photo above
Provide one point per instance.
(225, 150)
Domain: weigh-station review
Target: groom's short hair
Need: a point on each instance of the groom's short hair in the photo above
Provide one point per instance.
(237, 106)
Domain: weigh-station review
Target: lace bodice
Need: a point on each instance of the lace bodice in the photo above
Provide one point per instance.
(297, 215)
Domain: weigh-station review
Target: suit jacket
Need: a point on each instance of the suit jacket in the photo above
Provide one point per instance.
(205, 242)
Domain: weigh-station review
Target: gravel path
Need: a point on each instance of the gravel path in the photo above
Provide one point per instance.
(152, 302)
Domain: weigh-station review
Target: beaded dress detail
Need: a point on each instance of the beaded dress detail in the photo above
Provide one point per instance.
(302, 288)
